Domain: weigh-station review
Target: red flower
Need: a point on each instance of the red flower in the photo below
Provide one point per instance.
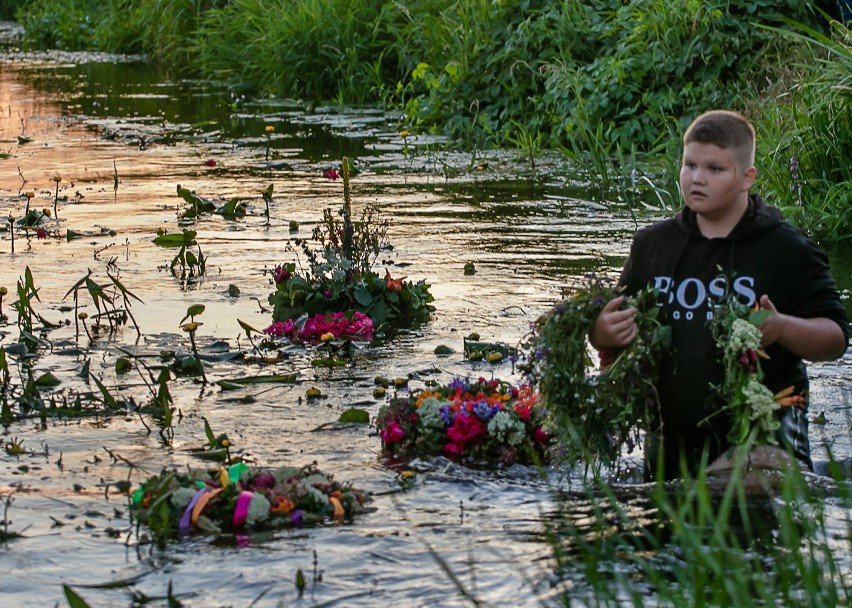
(524, 412)
(393, 433)
(606, 357)
(41, 234)
(749, 361)
(210, 163)
(331, 174)
(540, 435)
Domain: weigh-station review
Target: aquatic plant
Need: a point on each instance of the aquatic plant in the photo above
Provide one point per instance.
(112, 300)
(191, 327)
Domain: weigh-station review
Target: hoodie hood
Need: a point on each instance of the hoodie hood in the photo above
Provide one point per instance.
(758, 219)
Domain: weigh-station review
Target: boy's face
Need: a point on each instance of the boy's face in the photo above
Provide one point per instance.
(713, 185)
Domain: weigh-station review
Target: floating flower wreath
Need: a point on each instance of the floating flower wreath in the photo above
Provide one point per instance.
(471, 421)
(752, 405)
(596, 412)
(238, 498)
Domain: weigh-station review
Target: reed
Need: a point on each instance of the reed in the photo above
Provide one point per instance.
(685, 546)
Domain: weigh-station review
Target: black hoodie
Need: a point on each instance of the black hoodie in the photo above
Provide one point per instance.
(763, 254)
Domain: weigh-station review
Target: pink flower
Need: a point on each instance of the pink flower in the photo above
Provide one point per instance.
(41, 234)
(210, 163)
(393, 433)
(331, 174)
(466, 429)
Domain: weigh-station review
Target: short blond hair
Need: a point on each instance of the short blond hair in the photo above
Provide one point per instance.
(727, 129)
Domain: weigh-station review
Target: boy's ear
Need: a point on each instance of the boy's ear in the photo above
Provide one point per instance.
(748, 177)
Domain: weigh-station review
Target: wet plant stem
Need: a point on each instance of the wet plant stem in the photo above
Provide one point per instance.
(197, 357)
(12, 231)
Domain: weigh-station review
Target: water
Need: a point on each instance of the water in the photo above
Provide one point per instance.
(90, 119)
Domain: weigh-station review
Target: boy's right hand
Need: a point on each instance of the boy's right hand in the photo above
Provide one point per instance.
(614, 328)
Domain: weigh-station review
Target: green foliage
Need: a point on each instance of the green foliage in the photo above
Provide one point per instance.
(319, 49)
(805, 169)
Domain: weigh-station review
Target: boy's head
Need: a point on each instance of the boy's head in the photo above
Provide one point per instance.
(728, 130)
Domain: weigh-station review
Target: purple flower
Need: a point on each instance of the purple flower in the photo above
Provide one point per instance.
(483, 410)
(447, 415)
(457, 384)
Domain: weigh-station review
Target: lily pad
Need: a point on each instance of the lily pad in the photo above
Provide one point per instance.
(355, 415)
(182, 239)
(273, 379)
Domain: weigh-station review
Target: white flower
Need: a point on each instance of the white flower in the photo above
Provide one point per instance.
(762, 407)
(506, 428)
(430, 412)
(744, 336)
(258, 509)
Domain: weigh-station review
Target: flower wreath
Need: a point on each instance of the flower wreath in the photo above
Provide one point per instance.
(753, 407)
(238, 498)
(596, 413)
(476, 422)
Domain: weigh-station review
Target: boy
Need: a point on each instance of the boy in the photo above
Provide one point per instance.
(725, 240)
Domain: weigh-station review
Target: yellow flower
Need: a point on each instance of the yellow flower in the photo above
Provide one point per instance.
(327, 337)
(3, 291)
(29, 194)
(270, 128)
(313, 393)
(407, 474)
(46, 212)
(57, 178)
(403, 133)
(378, 392)
(495, 357)
(188, 327)
(83, 316)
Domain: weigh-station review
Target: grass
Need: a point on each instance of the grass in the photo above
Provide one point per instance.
(685, 545)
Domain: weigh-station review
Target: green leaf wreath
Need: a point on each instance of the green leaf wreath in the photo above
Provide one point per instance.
(596, 412)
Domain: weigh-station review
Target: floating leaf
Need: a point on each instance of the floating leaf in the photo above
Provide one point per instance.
(183, 239)
(122, 365)
(279, 378)
(233, 291)
(47, 379)
(355, 415)
(232, 210)
(329, 362)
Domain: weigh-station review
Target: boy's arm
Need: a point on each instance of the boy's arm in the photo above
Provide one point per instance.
(614, 328)
(815, 339)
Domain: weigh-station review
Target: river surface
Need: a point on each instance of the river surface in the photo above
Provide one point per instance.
(122, 137)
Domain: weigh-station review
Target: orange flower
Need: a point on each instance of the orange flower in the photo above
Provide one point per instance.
(281, 505)
(786, 398)
(393, 284)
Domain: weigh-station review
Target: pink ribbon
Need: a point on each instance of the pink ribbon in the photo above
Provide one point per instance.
(241, 511)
